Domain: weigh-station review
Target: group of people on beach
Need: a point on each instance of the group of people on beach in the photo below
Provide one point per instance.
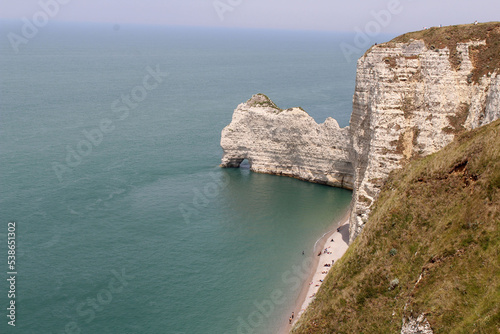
(325, 251)
(328, 265)
(324, 272)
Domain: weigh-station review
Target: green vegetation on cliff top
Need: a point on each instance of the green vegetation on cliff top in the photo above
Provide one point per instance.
(438, 219)
(262, 100)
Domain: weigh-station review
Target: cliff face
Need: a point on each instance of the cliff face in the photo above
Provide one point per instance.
(287, 142)
(412, 96)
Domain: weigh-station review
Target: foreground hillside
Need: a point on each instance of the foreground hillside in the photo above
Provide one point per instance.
(430, 249)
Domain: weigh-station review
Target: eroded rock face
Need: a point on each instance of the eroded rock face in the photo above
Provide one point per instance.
(409, 101)
(287, 142)
(418, 325)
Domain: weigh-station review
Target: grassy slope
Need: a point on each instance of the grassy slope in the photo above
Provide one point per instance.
(439, 217)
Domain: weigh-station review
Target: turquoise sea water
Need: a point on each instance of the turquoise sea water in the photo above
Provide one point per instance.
(125, 223)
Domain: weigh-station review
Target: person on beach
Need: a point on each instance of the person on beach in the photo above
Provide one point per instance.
(293, 315)
(290, 320)
(302, 252)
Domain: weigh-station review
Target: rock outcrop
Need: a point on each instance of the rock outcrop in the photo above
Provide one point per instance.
(287, 142)
(418, 325)
(412, 96)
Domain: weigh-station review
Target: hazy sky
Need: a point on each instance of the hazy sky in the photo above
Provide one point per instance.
(346, 15)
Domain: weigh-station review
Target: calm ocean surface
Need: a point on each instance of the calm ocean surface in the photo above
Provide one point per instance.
(125, 223)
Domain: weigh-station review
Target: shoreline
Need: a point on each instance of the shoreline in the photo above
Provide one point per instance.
(336, 250)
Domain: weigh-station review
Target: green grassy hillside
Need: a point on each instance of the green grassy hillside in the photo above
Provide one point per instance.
(438, 219)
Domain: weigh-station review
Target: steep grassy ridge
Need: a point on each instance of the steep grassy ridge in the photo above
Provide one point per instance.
(431, 247)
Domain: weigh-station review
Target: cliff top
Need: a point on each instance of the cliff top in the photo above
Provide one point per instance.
(485, 58)
(261, 100)
(441, 37)
(418, 256)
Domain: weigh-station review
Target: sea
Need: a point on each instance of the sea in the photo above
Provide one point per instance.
(121, 218)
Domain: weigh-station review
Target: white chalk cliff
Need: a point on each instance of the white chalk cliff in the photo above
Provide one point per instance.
(287, 142)
(410, 100)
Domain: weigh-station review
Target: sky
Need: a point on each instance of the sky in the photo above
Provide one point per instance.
(388, 16)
